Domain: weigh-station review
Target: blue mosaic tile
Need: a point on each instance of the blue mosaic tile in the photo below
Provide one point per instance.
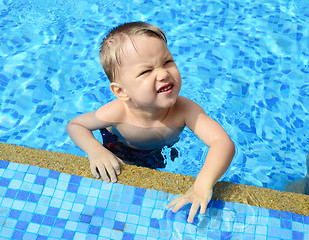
(42, 221)
(119, 226)
(85, 218)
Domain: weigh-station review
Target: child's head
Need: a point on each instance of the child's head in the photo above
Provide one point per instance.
(111, 52)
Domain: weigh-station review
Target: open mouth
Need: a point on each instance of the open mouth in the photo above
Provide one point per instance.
(165, 88)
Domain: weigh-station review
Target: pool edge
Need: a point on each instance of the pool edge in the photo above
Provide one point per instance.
(164, 181)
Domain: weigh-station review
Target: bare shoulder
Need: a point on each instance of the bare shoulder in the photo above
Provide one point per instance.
(191, 112)
(111, 112)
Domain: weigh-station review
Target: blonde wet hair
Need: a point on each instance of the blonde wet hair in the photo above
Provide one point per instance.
(111, 52)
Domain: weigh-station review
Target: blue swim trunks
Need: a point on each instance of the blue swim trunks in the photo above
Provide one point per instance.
(146, 158)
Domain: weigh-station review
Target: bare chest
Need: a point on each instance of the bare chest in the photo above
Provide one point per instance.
(146, 138)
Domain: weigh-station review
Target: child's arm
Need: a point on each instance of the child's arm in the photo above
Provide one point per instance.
(219, 157)
(102, 161)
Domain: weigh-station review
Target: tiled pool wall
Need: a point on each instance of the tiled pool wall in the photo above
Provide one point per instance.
(38, 203)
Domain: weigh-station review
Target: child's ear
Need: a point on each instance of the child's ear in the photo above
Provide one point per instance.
(119, 92)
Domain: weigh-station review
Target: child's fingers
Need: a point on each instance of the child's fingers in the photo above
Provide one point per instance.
(193, 211)
(172, 203)
(180, 203)
(103, 172)
(120, 161)
(111, 172)
(117, 169)
(106, 171)
(204, 205)
(106, 168)
(203, 208)
(94, 170)
(116, 165)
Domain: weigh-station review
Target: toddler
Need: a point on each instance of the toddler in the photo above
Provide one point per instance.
(148, 114)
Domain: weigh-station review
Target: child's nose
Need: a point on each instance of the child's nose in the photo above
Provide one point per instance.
(161, 74)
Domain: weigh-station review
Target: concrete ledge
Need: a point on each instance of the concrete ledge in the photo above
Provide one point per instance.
(158, 180)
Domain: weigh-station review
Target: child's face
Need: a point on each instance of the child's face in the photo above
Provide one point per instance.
(148, 73)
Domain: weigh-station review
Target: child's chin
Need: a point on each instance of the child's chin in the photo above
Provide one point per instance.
(169, 103)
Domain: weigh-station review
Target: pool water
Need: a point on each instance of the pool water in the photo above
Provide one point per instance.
(244, 62)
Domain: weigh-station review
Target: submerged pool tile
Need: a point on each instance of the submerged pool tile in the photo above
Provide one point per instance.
(121, 216)
(298, 235)
(25, 216)
(53, 174)
(18, 234)
(140, 192)
(135, 209)
(11, 193)
(48, 221)
(298, 218)
(123, 207)
(40, 180)
(14, 214)
(132, 218)
(4, 164)
(146, 212)
(118, 225)
(286, 224)
(37, 218)
(94, 230)
(72, 188)
(33, 227)
(18, 204)
(138, 200)
(5, 182)
(85, 218)
(67, 234)
(150, 194)
(21, 225)
(82, 227)
(60, 223)
(54, 213)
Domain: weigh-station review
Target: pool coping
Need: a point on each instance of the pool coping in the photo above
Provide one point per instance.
(164, 181)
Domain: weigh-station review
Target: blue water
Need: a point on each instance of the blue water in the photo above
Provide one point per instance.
(244, 62)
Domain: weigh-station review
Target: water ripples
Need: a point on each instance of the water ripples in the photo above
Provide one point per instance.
(244, 62)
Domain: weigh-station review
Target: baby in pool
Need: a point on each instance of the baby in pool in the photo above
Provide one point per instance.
(148, 114)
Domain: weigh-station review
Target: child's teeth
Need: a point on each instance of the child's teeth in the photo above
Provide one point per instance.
(166, 89)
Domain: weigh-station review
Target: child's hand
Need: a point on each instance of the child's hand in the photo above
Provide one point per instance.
(106, 165)
(198, 195)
